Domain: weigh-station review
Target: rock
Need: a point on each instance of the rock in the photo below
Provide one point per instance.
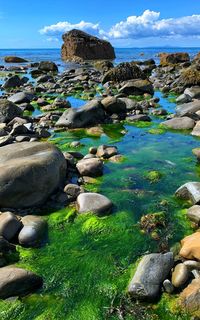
(173, 58)
(5, 140)
(6, 247)
(47, 66)
(130, 104)
(90, 167)
(90, 114)
(103, 65)
(189, 77)
(93, 202)
(113, 105)
(8, 111)
(168, 286)
(191, 246)
(29, 173)
(9, 225)
(152, 270)
(17, 282)
(138, 117)
(123, 72)
(193, 214)
(33, 232)
(190, 297)
(106, 152)
(80, 46)
(159, 112)
(73, 191)
(137, 87)
(191, 264)
(14, 59)
(13, 81)
(196, 130)
(95, 131)
(188, 108)
(183, 98)
(189, 191)
(21, 97)
(93, 150)
(193, 93)
(196, 152)
(179, 123)
(180, 275)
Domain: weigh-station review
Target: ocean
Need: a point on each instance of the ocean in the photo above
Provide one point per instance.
(122, 54)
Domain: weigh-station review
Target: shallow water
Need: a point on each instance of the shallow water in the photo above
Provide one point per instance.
(88, 261)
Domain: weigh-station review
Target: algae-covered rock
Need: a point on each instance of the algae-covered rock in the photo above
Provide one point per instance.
(124, 71)
(153, 176)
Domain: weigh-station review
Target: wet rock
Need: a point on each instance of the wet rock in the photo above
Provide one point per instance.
(73, 191)
(180, 275)
(152, 270)
(188, 108)
(90, 167)
(80, 46)
(13, 81)
(173, 58)
(196, 130)
(47, 66)
(9, 225)
(94, 202)
(113, 105)
(106, 152)
(193, 214)
(17, 282)
(191, 246)
(190, 297)
(90, 114)
(137, 87)
(14, 59)
(124, 71)
(182, 123)
(8, 111)
(138, 117)
(168, 286)
(33, 232)
(183, 98)
(29, 173)
(21, 97)
(189, 191)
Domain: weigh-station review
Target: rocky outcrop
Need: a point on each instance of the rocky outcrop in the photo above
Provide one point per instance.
(80, 46)
(29, 173)
(173, 58)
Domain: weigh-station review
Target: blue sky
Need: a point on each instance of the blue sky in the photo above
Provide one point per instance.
(127, 23)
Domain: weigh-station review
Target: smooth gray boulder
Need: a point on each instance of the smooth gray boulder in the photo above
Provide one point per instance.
(90, 167)
(9, 225)
(130, 104)
(193, 92)
(196, 130)
(94, 202)
(138, 117)
(180, 275)
(21, 97)
(29, 173)
(13, 81)
(8, 111)
(193, 214)
(90, 114)
(188, 108)
(179, 123)
(189, 191)
(33, 232)
(17, 282)
(183, 98)
(152, 270)
(106, 152)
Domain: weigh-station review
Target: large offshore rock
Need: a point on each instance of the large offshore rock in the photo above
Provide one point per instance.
(188, 108)
(8, 111)
(179, 123)
(93, 202)
(29, 173)
(90, 114)
(17, 282)
(14, 59)
(152, 270)
(189, 191)
(80, 46)
(173, 58)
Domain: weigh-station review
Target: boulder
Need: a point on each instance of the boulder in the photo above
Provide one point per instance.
(9, 225)
(123, 72)
(6, 247)
(196, 130)
(196, 152)
(8, 111)
(33, 232)
(73, 191)
(190, 247)
(29, 173)
(190, 297)
(80, 46)
(179, 123)
(13, 81)
(90, 167)
(94, 202)
(90, 114)
(137, 87)
(47, 66)
(188, 108)
(193, 214)
(130, 104)
(138, 117)
(193, 92)
(21, 97)
(14, 59)
(180, 275)
(173, 58)
(113, 105)
(183, 98)
(106, 152)
(17, 282)
(189, 191)
(152, 270)
(189, 77)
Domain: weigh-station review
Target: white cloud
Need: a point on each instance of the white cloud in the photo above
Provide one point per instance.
(147, 25)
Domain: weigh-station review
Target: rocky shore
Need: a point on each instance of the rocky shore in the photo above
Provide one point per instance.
(35, 174)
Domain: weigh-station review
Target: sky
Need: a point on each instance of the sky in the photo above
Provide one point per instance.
(125, 23)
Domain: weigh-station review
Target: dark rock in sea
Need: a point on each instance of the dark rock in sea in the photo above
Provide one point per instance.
(17, 282)
(14, 59)
(152, 270)
(13, 81)
(21, 97)
(8, 111)
(47, 66)
(29, 173)
(80, 46)
(94, 202)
